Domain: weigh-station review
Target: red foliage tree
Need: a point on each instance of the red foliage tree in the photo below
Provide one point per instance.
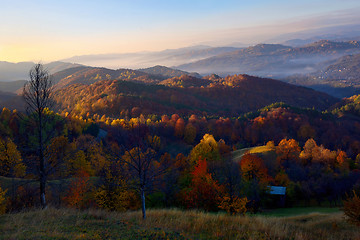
(205, 192)
(77, 194)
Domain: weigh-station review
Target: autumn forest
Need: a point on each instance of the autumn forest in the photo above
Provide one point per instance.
(135, 141)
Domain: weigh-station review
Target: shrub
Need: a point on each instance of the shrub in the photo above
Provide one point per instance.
(235, 205)
(352, 209)
(2, 201)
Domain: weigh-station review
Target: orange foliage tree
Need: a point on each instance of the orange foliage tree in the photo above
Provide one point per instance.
(287, 150)
(253, 167)
(341, 159)
(312, 153)
(179, 128)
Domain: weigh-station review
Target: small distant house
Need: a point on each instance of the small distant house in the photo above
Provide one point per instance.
(280, 192)
(275, 190)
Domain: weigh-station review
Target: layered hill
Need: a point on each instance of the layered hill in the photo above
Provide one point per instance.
(166, 72)
(185, 81)
(229, 96)
(346, 69)
(274, 60)
(11, 101)
(20, 71)
(90, 75)
(12, 86)
(340, 79)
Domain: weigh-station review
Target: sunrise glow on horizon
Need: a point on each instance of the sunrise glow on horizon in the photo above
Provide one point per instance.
(50, 31)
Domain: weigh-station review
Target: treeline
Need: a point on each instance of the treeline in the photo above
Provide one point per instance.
(110, 163)
(272, 123)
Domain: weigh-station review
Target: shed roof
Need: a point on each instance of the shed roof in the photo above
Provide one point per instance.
(277, 190)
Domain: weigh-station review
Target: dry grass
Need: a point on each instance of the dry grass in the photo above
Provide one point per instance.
(171, 224)
(260, 149)
(207, 225)
(73, 224)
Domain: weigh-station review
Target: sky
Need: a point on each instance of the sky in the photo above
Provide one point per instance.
(52, 30)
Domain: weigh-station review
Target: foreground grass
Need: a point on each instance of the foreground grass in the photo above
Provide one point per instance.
(286, 212)
(74, 224)
(170, 224)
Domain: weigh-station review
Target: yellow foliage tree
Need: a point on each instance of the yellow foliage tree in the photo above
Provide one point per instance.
(282, 179)
(207, 149)
(77, 163)
(11, 164)
(234, 206)
(114, 194)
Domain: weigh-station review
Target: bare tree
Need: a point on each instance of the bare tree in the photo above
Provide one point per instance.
(37, 94)
(142, 157)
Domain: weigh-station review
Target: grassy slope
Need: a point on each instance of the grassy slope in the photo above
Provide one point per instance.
(265, 152)
(170, 224)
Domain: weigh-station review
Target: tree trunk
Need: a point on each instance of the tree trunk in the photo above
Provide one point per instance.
(42, 165)
(142, 193)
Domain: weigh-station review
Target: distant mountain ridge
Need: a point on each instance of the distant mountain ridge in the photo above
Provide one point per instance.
(324, 65)
(274, 60)
(340, 79)
(169, 57)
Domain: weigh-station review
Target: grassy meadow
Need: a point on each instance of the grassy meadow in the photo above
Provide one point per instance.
(174, 224)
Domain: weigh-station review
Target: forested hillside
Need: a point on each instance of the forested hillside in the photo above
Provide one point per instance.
(230, 96)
